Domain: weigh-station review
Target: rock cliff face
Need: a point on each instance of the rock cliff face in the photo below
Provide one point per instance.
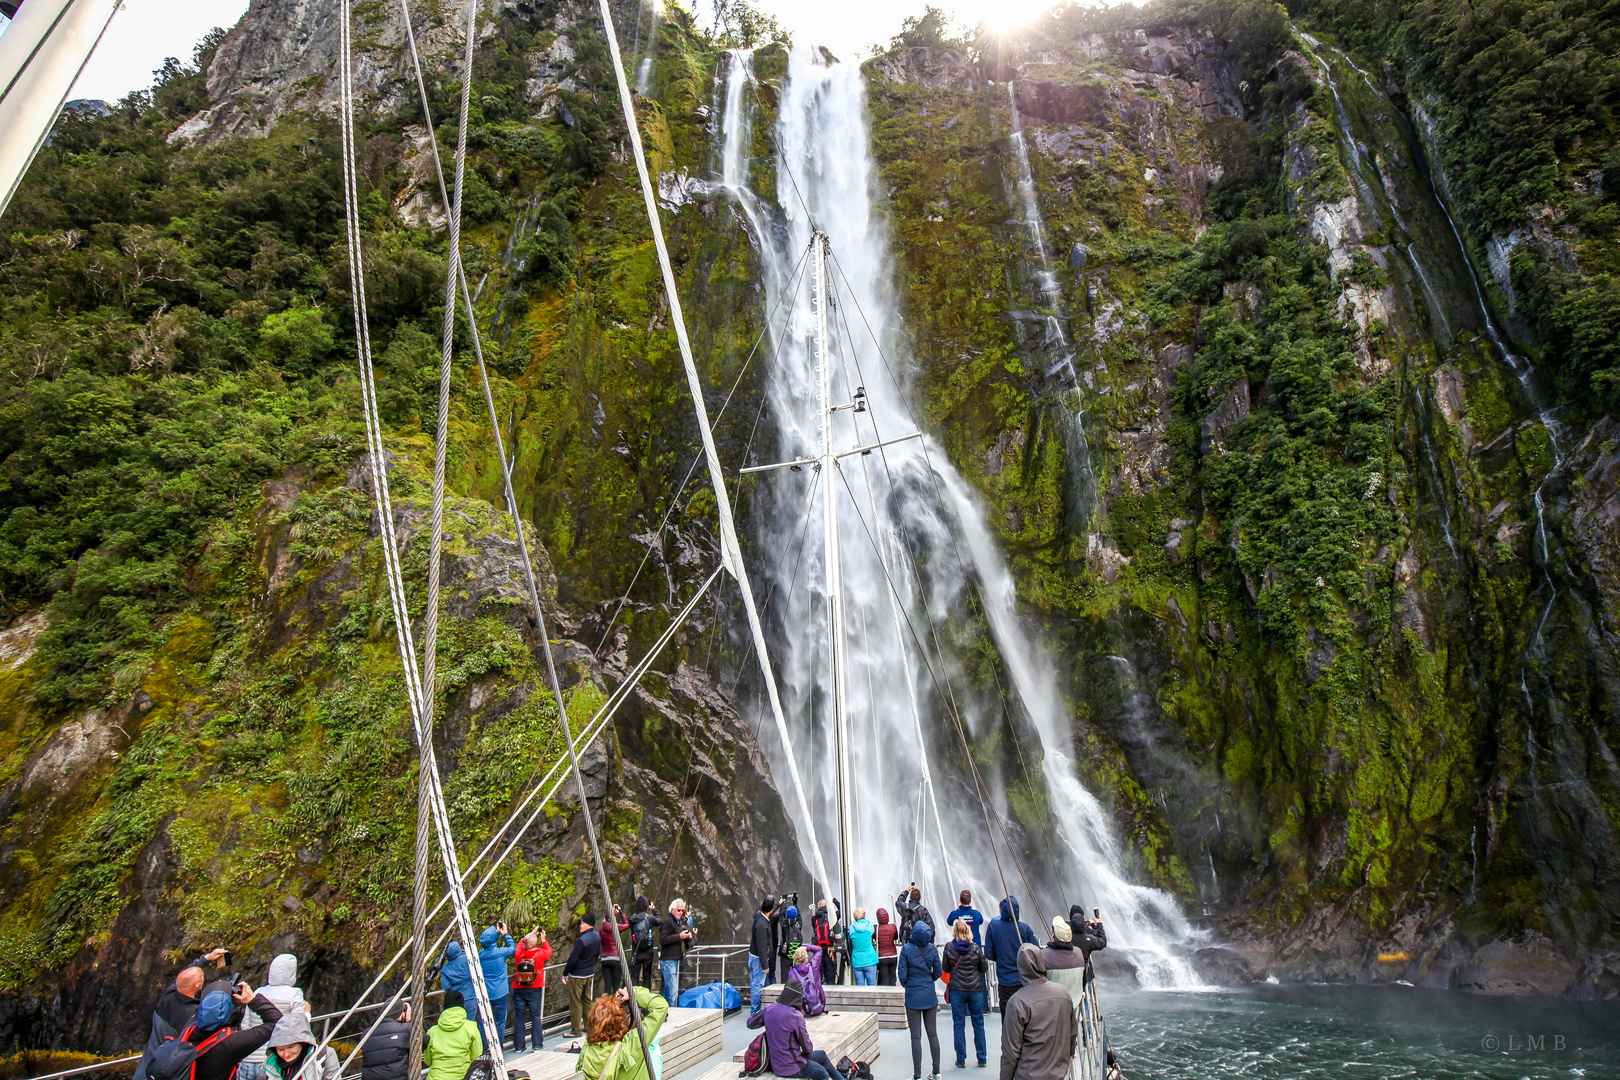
(1334, 573)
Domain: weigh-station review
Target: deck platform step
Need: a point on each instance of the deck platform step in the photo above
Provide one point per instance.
(889, 1002)
(836, 1034)
(687, 1037)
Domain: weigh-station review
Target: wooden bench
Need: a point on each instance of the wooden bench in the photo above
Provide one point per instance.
(546, 1065)
(839, 1033)
(687, 1037)
(889, 1002)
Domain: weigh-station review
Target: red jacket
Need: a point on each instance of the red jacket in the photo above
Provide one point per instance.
(608, 951)
(887, 935)
(539, 955)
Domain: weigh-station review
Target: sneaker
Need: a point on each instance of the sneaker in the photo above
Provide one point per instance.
(961, 1064)
(984, 1064)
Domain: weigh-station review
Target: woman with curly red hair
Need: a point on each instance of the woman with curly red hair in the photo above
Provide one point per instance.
(612, 1050)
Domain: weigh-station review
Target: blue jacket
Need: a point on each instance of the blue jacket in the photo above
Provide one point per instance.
(455, 975)
(919, 968)
(862, 944)
(492, 958)
(1001, 940)
(975, 919)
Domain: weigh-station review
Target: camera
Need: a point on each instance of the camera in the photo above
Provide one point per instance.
(792, 898)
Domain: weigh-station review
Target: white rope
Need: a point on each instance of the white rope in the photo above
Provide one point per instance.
(421, 714)
(730, 550)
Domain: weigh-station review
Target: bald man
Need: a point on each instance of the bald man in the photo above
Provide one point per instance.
(176, 1006)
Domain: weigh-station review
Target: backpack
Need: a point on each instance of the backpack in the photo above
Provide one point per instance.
(525, 974)
(640, 933)
(757, 1058)
(177, 1057)
(482, 1068)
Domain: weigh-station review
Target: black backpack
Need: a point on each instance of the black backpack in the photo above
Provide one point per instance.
(177, 1057)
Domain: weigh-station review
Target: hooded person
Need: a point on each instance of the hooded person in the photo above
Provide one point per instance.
(453, 1044)
(643, 943)
(495, 948)
(280, 988)
(1002, 940)
(919, 969)
(1089, 935)
(759, 952)
(222, 1049)
(291, 1052)
(1038, 1028)
(787, 1037)
(863, 955)
(807, 969)
(887, 935)
(1065, 962)
(455, 973)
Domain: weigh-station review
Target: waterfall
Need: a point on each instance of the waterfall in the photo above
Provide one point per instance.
(1060, 356)
(648, 20)
(907, 498)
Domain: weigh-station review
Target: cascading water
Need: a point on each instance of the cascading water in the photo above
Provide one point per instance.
(1059, 354)
(1522, 370)
(648, 20)
(907, 497)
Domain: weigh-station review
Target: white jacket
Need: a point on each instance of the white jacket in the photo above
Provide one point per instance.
(282, 993)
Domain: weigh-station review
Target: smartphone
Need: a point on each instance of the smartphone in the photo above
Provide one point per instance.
(1095, 914)
(229, 959)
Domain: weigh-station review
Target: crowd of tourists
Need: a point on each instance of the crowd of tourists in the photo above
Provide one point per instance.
(226, 1030)
(1038, 990)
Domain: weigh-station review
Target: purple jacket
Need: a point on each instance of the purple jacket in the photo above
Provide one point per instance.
(786, 1037)
(809, 976)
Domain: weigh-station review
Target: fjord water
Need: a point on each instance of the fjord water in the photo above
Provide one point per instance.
(914, 540)
(1359, 1033)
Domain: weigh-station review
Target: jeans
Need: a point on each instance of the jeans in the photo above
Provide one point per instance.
(1004, 994)
(526, 1006)
(756, 983)
(671, 970)
(818, 1066)
(966, 1003)
(251, 1070)
(921, 1021)
(886, 970)
(866, 976)
(498, 1007)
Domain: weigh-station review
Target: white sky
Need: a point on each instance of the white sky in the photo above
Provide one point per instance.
(144, 32)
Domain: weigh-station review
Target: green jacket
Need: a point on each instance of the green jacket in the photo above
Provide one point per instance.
(630, 1064)
(453, 1044)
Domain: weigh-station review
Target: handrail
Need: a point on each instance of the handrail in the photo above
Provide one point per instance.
(715, 950)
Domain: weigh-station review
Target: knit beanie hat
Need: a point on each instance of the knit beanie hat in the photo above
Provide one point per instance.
(1061, 928)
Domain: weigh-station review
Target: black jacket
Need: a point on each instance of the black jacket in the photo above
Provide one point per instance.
(1088, 937)
(221, 1059)
(966, 967)
(387, 1052)
(760, 944)
(670, 944)
(583, 957)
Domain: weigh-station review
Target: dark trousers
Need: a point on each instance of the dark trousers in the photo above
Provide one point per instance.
(886, 966)
(967, 1004)
(818, 1066)
(579, 1003)
(1004, 994)
(526, 1001)
(612, 973)
(920, 1021)
(643, 971)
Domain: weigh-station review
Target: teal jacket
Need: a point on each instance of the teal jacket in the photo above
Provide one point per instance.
(862, 944)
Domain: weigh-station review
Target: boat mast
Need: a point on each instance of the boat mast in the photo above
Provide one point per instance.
(828, 464)
(41, 55)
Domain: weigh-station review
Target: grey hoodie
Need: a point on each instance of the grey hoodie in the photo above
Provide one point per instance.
(291, 1030)
(279, 988)
(1038, 1032)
